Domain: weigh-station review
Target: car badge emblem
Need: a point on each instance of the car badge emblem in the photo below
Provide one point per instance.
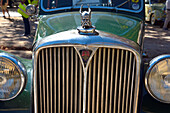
(86, 27)
(85, 54)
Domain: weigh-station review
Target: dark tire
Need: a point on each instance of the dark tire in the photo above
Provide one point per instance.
(153, 20)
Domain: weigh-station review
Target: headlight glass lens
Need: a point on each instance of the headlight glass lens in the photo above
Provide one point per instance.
(31, 9)
(10, 79)
(158, 81)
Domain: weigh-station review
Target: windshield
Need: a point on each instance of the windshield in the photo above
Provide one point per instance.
(128, 5)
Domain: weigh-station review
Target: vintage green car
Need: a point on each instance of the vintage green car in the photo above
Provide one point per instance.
(87, 58)
(155, 11)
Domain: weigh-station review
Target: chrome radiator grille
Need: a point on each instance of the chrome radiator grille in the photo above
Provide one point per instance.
(111, 85)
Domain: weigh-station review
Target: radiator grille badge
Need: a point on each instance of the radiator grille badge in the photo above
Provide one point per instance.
(85, 54)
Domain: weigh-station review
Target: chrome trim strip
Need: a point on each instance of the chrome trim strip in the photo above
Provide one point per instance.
(140, 34)
(137, 81)
(84, 90)
(74, 38)
(34, 83)
(96, 7)
(85, 68)
(152, 63)
(20, 68)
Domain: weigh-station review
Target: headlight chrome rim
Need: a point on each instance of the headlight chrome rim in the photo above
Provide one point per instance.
(152, 63)
(21, 70)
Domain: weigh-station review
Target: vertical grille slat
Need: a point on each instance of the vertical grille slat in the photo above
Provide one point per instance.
(124, 82)
(72, 82)
(120, 81)
(51, 81)
(59, 79)
(47, 80)
(107, 82)
(76, 75)
(112, 81)
(80, 88)
(98, 82)
(94, 84)
(41, 107)
(103, 80)
(136, 89)
(67, 82)
(116, 80)
(63, 79)
(55, 81)
(128, 82)
(89, 90)
(44, 95)
(133, 76)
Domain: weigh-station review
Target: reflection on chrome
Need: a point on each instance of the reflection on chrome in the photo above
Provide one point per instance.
(167, 80)
(10, 76)
(2, 80)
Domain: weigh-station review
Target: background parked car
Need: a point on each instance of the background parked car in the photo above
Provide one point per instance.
(155, 11)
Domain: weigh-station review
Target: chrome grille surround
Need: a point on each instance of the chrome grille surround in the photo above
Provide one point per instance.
(85, 106)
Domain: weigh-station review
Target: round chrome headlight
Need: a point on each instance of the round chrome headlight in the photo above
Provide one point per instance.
(31, 9)
(12, 77)
(157, 79)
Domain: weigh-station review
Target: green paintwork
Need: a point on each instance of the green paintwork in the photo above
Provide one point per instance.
(23, 100)
(119, 24)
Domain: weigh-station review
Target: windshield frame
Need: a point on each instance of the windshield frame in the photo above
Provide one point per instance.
(95, 7)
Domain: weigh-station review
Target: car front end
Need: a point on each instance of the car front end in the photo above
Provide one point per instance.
(87, 58)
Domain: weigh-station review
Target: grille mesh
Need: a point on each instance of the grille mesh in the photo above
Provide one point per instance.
(111, 77)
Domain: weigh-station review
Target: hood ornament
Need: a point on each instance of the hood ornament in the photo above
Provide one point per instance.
(86, 27)
(85, 18)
